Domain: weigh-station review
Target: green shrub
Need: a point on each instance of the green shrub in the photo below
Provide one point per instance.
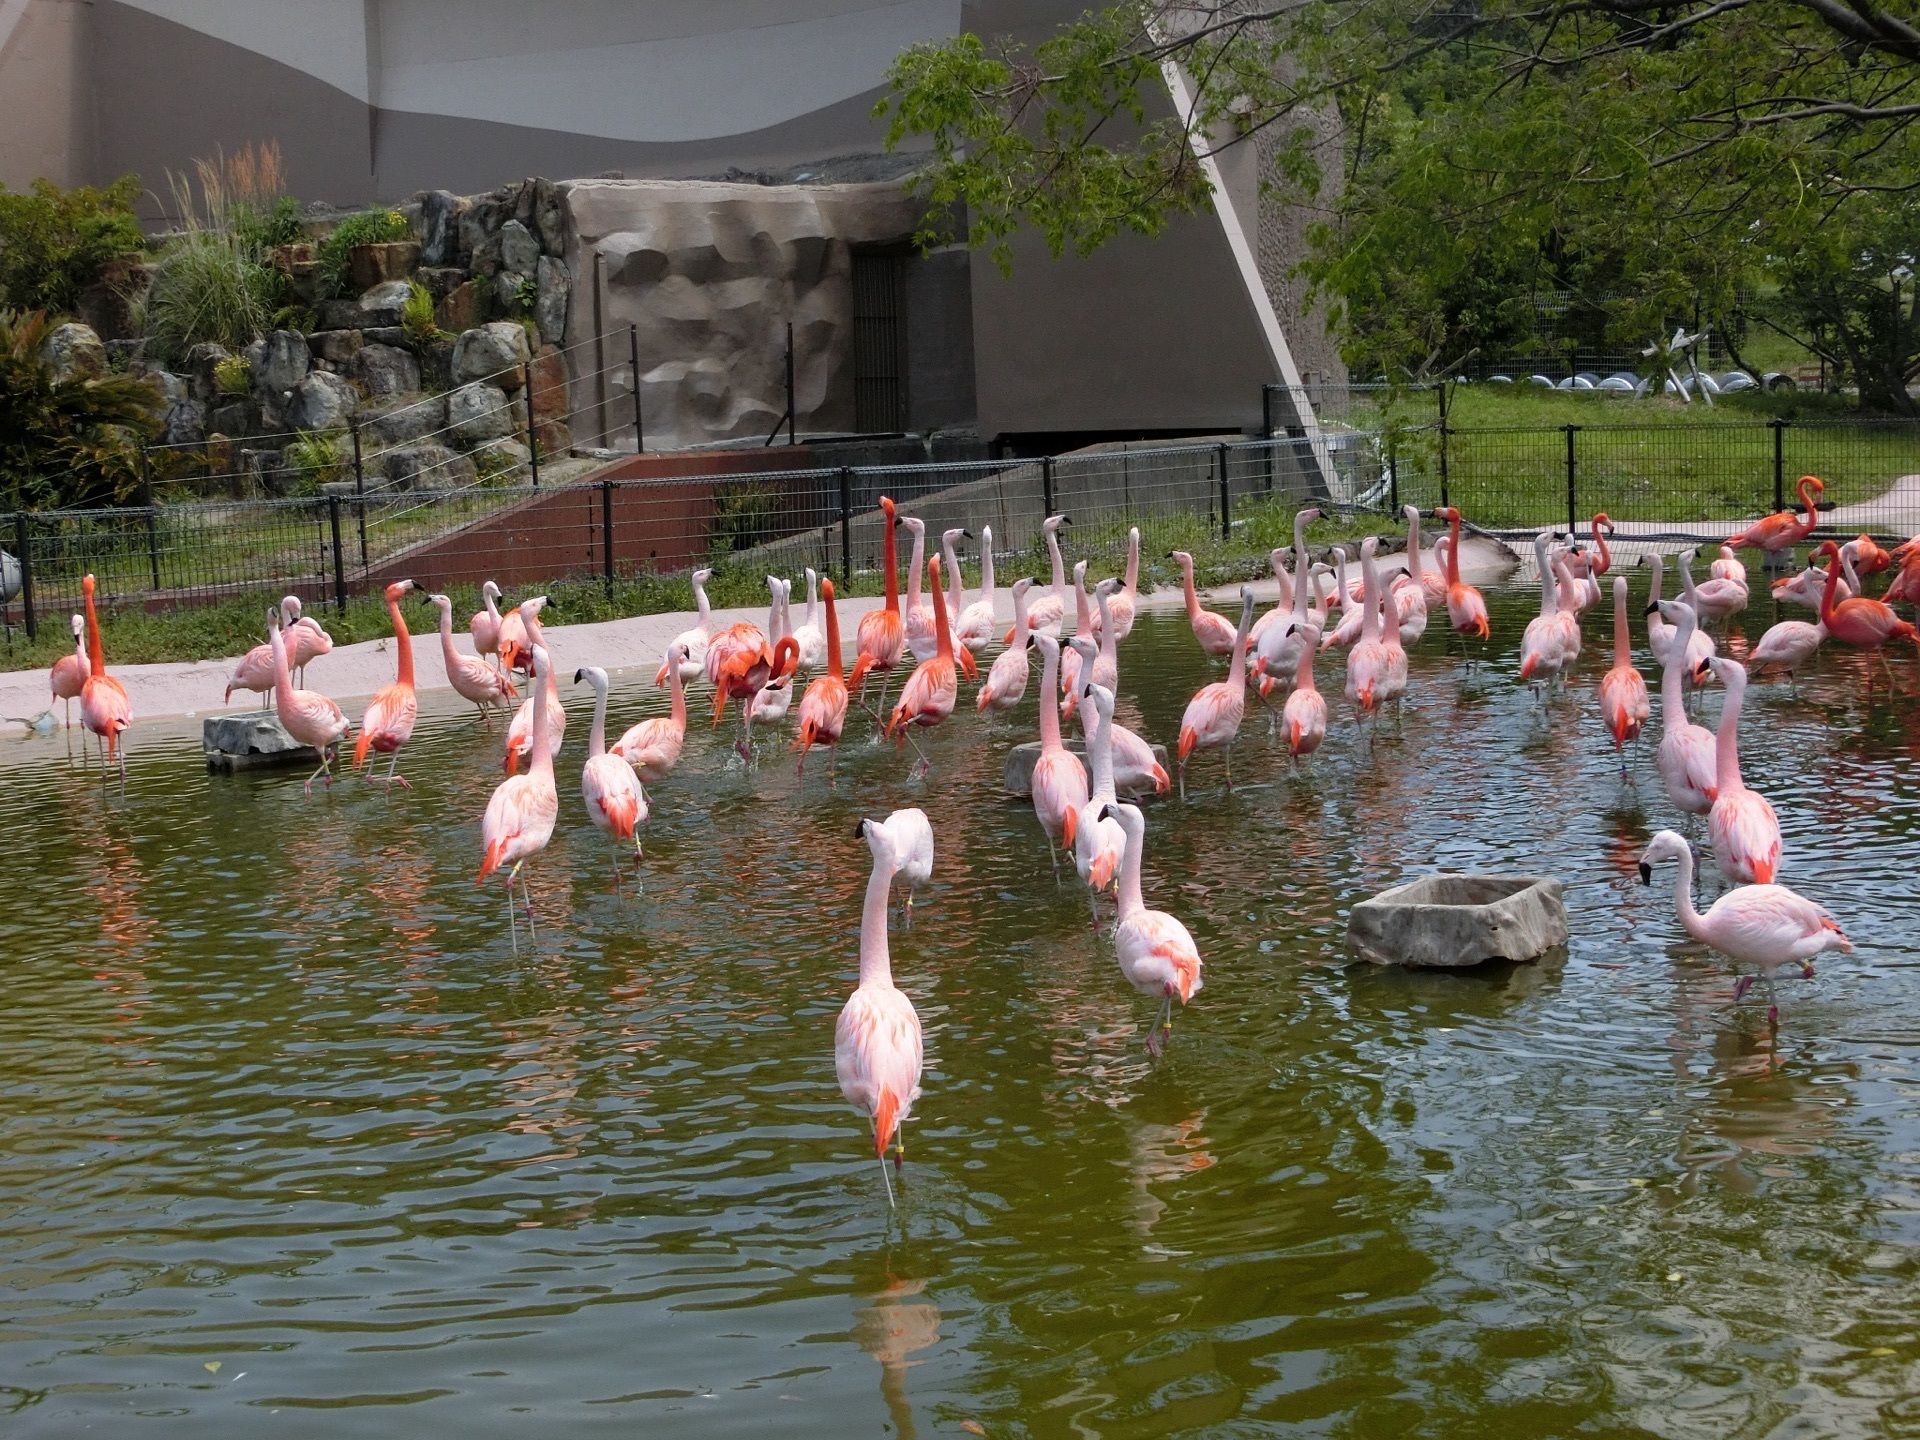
(71, 442)
(416, 316)
(233, 374)
(375, 227)
(208, 285)
(743, 516)
(527, 295)
(262, 229)
(318, 456)
(54, 242)
(495, 466)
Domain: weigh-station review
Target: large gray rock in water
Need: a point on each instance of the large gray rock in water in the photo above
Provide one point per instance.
(384, 370)
(440, 212)
(396, 420)
(321, 402)
(1455, 921)
(1016, 774)
(550, 306)
(491, 352)
(519, 251)
(73, 352)
(282, 362)
(382, 304)
(477, 413)
(251, 740)
(427, 465)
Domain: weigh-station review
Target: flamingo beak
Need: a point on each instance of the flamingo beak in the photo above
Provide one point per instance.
(1646, 873)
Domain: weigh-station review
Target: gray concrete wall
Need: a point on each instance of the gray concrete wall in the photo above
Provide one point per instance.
(43, 112)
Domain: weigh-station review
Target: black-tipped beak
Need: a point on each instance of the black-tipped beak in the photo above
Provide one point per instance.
(1106, 813)
(1652, 608)
(966, 534)
(1066, 519)
(860, 829)
(578, 676)
(1646, 873)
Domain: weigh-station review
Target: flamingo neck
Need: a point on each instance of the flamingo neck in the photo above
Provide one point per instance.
(1834, 562)
(1303, 676)
(1653, 591)
(1049, 712)
(833, 637)
(1109, 646)
(678, 689)
(942, 636)
(1082, 612)
(1453, 549)
(1690, 919)
(876, 966)
(492, 608)
(1549, 582)
(1369, 582)
(986, 566)
(1237, 668)
(1059, 564)
(597, 736)
(1100, 754)
(96, 656)
(1806, 499)
(281, 675)
(700, 602)
(914, 563)
(1413, 546)
(403, 644)
(540, 761)
(956, 593)
(1726, 741)
(1128, 896)
(1605, 562)
(891, 550)
(1673, 705)
(1186, 584)
(1686, 577)
(1622, 647)
(1132, 584)
(1020, 621)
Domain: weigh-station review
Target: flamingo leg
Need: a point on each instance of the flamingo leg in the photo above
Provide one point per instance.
(885, 1178)
(1182, 769)
(922, 767)
(1228, 757)
(513, 921)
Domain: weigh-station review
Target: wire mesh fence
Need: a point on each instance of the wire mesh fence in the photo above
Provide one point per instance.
(450, 522)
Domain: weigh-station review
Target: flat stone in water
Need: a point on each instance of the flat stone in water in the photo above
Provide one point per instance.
(251, 740)
(1453, 922)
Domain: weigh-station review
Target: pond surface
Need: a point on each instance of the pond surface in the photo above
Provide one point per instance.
(293, 1144)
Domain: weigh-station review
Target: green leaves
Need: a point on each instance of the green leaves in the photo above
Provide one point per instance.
(54, 242)
(67, 442)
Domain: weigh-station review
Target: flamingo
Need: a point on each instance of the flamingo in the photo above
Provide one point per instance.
(741, 664)
(1410, 597)
(1212, 717)
(1862, 622)
(1765, 926)
(1006, 681)
(929, 694)
(388, 722)
(487, 687)
(515, 649)
(912, 836)
(1744, 830)
(1212, 629)
(1353, 606)
(1686, 754)
(484, 626)
(775, 698)
(1394, 684)
(1099, 665)
(693, 641)
(1787, 645)
(1059, 779)
(104, 707)
(823, 709)
(1305, 715)
(616, 803)
(1124, 602)
(881, 633)
(1716, 599)
(1083, 630)
(877, 1052)
(306, 639)
(1623, 691)
(1368, 664)
(917, 617)
(1783, 529)
(1807, 586)
(974, 629)
(254, 671)
(1466, 607)
(69, 674)
(1582, 591)
(520, 731)
(307, 715)
(652, 747)
(1543, 648)
(1276, 656)
(1050, 609)
(921, 637)
(1661, 633)
(1729, 567)
(1098, 840)
(521, 812)
(1599, 528)
(811, 639)
(1156, 953)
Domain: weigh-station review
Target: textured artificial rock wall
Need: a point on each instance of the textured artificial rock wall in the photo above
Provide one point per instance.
(711, 273)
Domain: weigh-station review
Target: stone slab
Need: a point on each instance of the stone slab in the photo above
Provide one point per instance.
(251, 740)
(1455, 922)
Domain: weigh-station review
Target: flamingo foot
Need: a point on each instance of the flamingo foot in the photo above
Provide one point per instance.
(1741, 987)
(1806, 970)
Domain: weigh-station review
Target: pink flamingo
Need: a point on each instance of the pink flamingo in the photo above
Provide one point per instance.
(1863, 623)
(616, 804)
(306, 640)
(912, 836)
(522, 810)
(474, 680)
(307, 715)
(1623, 691)
(527, 717)
(1124, 601)
(1156, 954)
(1059, 783)
(1661, 633)
(653, 747)
(1729, 567)
(1277, 654)
(1006, 681)
(1686, 754)
(975, 627)
(1212, 629)
(1394, 684)
(104, 707)
(255, 668)
(773, 700)
(1716, 599)
(1050, 609)
(1409, 597)
(69, 674)
(877, 1052)
(1543, 648)
(1744, 830)
(1305, 715)
(1083, 630)
(1213, 715)
(1466, 607)
(929, 694)
(1290, 603)
(388, 723)
(1783, 529)
(741, 671)
(695, 638)
(1787, 645)
(483, 627)
(810, 637)
(916, 616)
(823, 709)
(921, 637)
(1808, 586)
(1097, 838)
(1765, 926)
(1368, 664)
(881, 633)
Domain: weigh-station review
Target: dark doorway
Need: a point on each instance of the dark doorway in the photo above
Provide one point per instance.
(879, 340)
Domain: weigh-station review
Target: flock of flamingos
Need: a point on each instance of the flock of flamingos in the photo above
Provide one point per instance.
(1758, 923)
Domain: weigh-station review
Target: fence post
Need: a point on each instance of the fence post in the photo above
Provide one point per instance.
(606, 533)
(633, 375)
(1446, 497)
(1226, 497)
(1779, 463)
(1046, 486)
(1393, 474)
(846, 525)
(790, 399)
(153, 528)
(533, 440)
(1573, 517)
(22, 545)
(339, 565)
(359, 490)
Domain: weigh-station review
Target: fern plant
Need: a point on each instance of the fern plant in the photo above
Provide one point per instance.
(317, 457)
(417, 315)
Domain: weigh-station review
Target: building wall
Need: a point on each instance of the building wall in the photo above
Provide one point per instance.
(43, 129)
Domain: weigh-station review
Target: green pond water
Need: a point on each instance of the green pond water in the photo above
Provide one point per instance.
(292, 1143)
